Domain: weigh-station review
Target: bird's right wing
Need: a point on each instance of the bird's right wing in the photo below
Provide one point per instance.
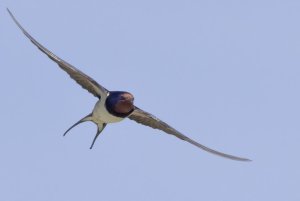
(150, 120)
(82, 79)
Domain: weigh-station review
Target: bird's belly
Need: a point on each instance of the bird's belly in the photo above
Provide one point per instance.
(101, 114)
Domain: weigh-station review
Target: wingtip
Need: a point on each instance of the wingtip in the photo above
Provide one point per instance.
(7, 9)
(10, 13)
(13, 17)
(239, 159)
(242, 159)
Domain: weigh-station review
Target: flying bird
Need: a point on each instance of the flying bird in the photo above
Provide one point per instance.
(114, 106)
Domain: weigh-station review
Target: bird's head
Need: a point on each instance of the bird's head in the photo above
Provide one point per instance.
(120, 103)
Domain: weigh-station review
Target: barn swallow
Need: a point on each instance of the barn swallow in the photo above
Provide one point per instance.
(114, 106)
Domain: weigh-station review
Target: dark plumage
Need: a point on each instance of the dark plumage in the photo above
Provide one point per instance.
(119, 103)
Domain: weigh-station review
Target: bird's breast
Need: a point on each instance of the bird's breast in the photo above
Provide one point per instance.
(101, 114)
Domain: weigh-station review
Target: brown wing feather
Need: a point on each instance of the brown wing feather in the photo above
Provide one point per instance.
(150, 120)
(82, 79)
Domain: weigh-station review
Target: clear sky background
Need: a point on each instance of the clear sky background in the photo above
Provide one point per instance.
(225, 73)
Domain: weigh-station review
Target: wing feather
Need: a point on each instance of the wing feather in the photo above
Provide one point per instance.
(82, 79)
(150, 120)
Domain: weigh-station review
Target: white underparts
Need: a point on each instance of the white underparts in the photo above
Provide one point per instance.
(101, 115)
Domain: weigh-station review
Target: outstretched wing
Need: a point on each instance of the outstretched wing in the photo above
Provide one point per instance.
(148, 119)
(82, 79)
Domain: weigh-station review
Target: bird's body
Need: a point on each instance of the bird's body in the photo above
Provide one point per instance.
(103, 112)
(114, 106)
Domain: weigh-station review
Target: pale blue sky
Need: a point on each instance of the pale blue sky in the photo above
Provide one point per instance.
(225, 73)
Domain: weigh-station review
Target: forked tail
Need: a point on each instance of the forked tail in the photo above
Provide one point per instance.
(100, 127)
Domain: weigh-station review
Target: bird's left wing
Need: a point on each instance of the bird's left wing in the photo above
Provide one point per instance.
(82, 79)
(148, 119)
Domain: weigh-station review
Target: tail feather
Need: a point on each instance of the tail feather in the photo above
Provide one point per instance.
(87, 118)
(100, 128)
